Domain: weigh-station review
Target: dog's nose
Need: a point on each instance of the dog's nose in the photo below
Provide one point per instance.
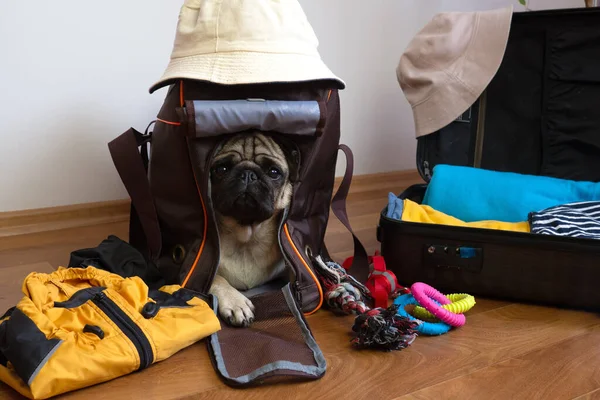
(248, 176)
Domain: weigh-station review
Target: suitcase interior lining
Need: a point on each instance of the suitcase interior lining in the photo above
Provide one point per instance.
(541, 116)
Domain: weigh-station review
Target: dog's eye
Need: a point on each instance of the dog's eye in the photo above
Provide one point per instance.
(274, 173)
(221, 169)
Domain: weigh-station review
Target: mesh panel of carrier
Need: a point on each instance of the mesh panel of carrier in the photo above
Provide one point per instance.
(278, 343)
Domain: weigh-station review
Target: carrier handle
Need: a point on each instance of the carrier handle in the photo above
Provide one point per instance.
(360, 263)
(132, 168)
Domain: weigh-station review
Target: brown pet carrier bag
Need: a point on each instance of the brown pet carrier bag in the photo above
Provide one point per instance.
(166, 173)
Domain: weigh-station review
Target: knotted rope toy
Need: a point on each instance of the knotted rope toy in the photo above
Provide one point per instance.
(384, 328)
(381, 327)
(343, 294)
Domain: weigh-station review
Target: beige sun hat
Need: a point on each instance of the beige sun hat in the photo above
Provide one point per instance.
(450, 62)
(245, 41)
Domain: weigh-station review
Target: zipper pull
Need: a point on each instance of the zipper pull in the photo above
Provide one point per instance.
(426, 170)
(298, 292)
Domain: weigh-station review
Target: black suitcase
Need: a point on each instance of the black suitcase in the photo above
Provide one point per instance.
(549, 77)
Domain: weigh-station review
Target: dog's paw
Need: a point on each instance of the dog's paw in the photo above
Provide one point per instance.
(236, 309)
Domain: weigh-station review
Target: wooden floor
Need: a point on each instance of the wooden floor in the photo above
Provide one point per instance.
(505, 351)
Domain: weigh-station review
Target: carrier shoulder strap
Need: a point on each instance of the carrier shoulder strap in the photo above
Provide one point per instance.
(360, 263)
(132, 166)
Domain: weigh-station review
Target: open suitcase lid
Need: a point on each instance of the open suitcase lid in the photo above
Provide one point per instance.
(540, 114)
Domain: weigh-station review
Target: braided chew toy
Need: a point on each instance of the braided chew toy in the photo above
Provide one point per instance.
(432, 300)
(343, 294)
(460, 304)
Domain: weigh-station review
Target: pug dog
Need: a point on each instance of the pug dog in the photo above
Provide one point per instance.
(250, 187)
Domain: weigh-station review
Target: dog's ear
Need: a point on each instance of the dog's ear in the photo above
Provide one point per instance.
(292, 155)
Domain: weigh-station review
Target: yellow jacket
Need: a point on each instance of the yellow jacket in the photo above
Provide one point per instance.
(78, 327)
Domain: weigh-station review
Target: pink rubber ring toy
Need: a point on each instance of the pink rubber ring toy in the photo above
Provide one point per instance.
(425, 294)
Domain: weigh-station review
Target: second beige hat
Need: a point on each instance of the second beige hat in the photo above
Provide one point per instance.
(450, 62)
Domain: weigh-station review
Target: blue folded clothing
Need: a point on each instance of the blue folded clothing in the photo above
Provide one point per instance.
(474, 194)
(395, 207)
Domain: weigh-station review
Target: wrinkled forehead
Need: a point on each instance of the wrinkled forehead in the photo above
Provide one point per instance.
(252, 147)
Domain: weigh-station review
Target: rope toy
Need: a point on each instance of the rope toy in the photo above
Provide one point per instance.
(384, 329)
(460, 303)
(347, 298)
(381, 327)
(381, 282)
(343, 293)
(431, 299)
(423, 327)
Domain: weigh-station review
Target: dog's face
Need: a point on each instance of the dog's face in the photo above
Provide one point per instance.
(250, 178)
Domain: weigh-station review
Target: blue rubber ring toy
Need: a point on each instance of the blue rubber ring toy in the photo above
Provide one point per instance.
(424, 327)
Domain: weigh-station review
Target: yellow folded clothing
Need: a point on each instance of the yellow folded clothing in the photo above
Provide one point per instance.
(414, 212)
(78, 327)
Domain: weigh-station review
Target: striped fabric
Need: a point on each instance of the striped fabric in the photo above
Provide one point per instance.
(580, 220)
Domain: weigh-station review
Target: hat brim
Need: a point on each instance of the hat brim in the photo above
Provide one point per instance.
(481, 61)
(235, 68)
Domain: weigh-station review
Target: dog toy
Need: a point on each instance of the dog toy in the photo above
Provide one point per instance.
(431, 299)
(384, 329)
(460, 304)
(423, 327)
(343, 293)
(381, 327)
(381, 282)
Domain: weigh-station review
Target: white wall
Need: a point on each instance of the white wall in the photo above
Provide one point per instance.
(73, 75)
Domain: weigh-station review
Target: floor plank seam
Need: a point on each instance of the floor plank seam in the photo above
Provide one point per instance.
(493, 309)
(581, 396)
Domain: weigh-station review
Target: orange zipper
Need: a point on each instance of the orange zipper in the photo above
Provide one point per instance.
(289, 238)
(205, 229)
(168, 122)
(181, 98)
